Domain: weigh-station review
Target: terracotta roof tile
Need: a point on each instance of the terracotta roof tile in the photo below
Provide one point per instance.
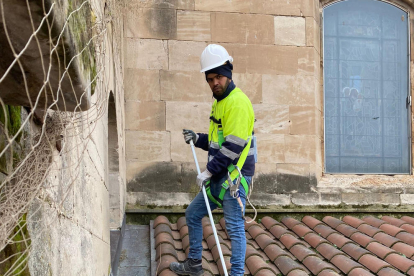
(354, 251)
(311, 221)
(324, 230)
(328, 251)
(373, 263)
(161, 220)
(332, 222)
(369, 230)
(362, 239)
(389, 272)
(286, 264)
(344, 263)
(373, 221)
(400, 262)
(408, 227)
(386, 239)
(405, 249)
(354, 222)
(227, 264)
(307, 247)
(338, 240)
(408, 219)
(406, 237)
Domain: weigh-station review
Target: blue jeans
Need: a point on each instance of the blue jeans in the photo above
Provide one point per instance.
(234, 224)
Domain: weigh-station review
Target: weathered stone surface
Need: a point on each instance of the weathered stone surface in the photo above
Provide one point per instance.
(158, 199)
(271, 118)
(153, 176)
(184, 86)
(146, 54)
(303, 120)
(270, 148)
(193, 25)
(251, 85)
(309, 62)
(184, 115)
(185, 55)
(310, 8)
(407, 199)
(142, 85)
(300, 149)
(290, 30)
(278, 7)
(242, 6)
(242, 28)
(161, 4)
(148, 146)
(264, 199)
(239, 54)
(313, 34)
(370, 198)
(189, 174)
(180, 151)
(288, 90)
(151, 23)
(294, 178)
(265, 178)
(271, 59)
(145, 116)
(310, 199)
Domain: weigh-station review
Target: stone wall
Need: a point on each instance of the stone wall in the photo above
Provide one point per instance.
(276, 51)
(276, 46)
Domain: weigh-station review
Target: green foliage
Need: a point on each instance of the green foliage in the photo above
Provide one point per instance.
(11, 115)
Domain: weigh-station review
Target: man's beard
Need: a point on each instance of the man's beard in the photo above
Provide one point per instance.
(220, 92)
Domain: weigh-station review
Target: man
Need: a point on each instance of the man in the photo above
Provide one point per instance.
(230, 150)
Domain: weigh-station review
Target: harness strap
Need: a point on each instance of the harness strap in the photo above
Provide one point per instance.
(219, 200)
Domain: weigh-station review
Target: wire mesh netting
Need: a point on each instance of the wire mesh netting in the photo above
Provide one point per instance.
(53, 90)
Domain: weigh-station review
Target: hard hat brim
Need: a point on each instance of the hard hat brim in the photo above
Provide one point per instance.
(216, 65)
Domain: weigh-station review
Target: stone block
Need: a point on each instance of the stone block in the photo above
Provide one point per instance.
(240, 57)
(189, 175)
(181, 152)
(312, 199)
(153, 176)
(151, 23)
(158, 199)
(313, 34)
(279, 7)
(228, 27)
(184, 115)
(271, 118)
(288, 90)
(148, 146)
(142, 85)
(407, 199)
(309, 62)
(271, 59)
(300, 149)
(161, 4)
(293, 178)
(241, 6)
(250, 84)
(270, 148)
(145, 116)
(260, 29)
(290, 30)
(263, 199)
(303, 120)
(370, 198)
(184, 86)
(193, 25)
(146, 53)
(265, 178)
(185, 55)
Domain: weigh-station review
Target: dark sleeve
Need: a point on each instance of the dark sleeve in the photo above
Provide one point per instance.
(202, 141)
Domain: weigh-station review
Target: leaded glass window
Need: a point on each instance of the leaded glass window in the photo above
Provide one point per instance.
(366, 88)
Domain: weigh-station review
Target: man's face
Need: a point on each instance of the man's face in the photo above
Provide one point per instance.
(218, 83)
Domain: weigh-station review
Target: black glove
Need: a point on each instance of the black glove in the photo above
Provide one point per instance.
(190, 135)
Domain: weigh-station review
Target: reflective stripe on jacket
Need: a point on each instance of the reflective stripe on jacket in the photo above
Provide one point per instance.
(235, 114)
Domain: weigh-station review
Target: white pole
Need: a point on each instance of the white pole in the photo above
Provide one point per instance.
(223, 264)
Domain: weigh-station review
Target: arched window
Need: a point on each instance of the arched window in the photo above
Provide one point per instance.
(366, 95)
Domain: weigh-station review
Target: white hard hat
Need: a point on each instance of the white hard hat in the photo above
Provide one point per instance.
(213, 56)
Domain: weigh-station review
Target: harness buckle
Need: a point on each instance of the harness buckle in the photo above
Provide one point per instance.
(234, 188)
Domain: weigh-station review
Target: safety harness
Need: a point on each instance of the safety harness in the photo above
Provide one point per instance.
(234, 171)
